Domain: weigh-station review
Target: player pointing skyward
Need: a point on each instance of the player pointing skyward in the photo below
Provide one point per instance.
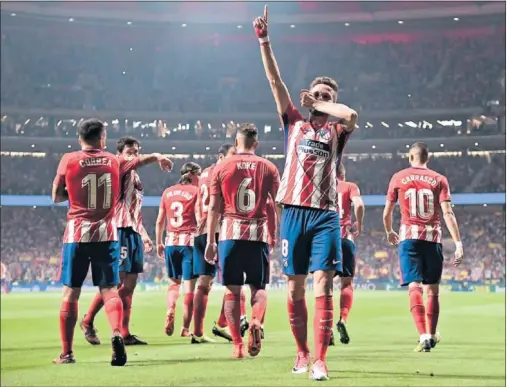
(310, 226)
(421, 192)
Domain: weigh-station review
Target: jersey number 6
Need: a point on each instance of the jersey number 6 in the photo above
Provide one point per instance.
(245, 198)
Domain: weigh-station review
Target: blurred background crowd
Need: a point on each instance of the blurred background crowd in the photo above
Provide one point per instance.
(411, 80)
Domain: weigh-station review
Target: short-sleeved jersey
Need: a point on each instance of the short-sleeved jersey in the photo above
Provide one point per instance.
(346, 192)
(203, 200)
(128, 209)
(92, 179)
(271, 214)
(245, 181)
(312, 158)
(179, 203)
(3, 274)
(419, 192)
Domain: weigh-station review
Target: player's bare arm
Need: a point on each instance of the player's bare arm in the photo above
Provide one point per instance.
(59, 191)
(392, 237)
(358, 213)
(337, 110)
(452, 226)
(280, 92)
(159, 230)
(165, 163)
(211, 226)
(148, 243)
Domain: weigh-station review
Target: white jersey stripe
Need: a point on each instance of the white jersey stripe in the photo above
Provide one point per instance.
(85, 232)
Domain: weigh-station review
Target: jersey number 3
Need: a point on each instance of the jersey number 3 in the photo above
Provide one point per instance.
(417, 200)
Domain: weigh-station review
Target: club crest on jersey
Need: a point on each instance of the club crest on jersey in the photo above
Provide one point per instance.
(324, 134)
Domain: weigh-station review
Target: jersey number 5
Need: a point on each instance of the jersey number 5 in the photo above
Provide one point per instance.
(92, 183)
(417, 200)
(245, 198)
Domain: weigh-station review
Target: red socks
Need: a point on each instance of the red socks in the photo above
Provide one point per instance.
(346, 298)
(232, 312)
(188, 308)
(243, 302)
(417, 308)
(432, 312)
(126, 298)
(259, 301)
(114, 310)
(322, 325)
(173, 293)
(68, 319)
(222, 321)
(200, 304)
(298, 319)
(95, 307)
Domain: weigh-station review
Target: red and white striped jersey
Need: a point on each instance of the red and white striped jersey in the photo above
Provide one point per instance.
(245, 181)
(203, 200)
(272, 226)
(92, 180)
(128, 209)
(419, 192)
(312, 157)
(346, 192)
(4, 271)
(178, 203)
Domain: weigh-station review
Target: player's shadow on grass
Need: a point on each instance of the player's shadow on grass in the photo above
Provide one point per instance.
(425, 374)
(157, 362)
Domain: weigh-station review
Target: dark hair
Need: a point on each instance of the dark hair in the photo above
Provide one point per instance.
(91, 130)
(341, 170)
(249, 131)
(188, 169)
(224, 149)
(422, 151)
(325, 81)
(126, 141)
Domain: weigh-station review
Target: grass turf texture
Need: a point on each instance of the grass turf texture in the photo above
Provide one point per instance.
(471, 353)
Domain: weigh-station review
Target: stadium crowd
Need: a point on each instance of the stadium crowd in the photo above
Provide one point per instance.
(34, 254)
(163, 75)
(372, 174)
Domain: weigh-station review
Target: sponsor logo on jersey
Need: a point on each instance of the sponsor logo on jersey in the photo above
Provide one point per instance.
(314, 148)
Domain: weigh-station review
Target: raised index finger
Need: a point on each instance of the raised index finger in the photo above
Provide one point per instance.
(266, 14)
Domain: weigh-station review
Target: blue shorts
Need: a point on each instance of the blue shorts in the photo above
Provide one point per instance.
(244, 262)
(311, 240)
(420, 261)
(131, 250)
(348, 258)
(200, 266)
(104, 258)
(178, 261)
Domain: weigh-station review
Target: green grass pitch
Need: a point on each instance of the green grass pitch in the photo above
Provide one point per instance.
(471, 353)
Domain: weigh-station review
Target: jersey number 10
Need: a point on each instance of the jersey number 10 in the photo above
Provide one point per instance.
(417, 200)
(91, 182)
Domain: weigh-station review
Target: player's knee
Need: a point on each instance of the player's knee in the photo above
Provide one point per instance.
(71, 294)
(346, 283)
(323, 283)
(130, 281)
(205, 281)
(432, 290)
(296, 289)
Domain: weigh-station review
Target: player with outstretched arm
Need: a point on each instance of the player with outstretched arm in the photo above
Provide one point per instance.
(421, 192)
(310, 225)
(90, 180)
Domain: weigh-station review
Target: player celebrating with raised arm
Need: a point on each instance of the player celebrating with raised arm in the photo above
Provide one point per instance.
(90, 180)
(309, 228)
(177, 209)
(203, 269)
(243, 182)
(420, 192)
(134, 239)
